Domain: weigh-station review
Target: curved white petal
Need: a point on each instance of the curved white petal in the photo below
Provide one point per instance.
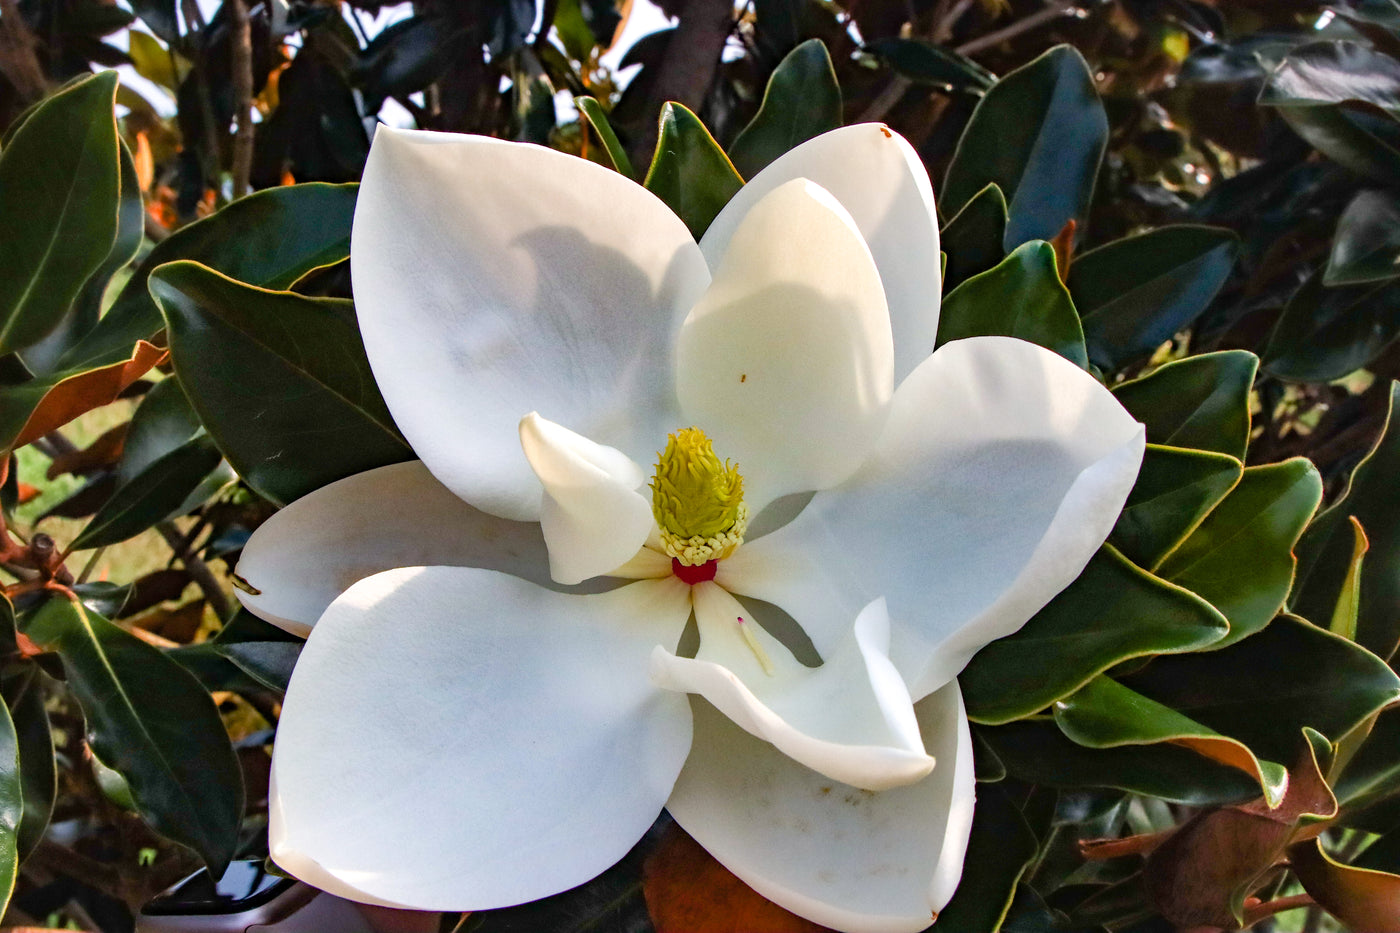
(855, 860)
(593, 517)
(786, 362)
(850, 719)
(495, 278)
(457, 739)
(307, 554)
(1001, 470)
(878, 177)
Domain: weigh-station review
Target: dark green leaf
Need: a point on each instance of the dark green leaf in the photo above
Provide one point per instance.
(1105, 714)
(160, 16)
(24, 695)
(154, 495)
(212, 668)
(1325, 550)
(1256, 526)
(60, 185)
(270, 663)
(270, 239)
(972, 239)
(999, 851)
(1175, 490)
(1367, 244)
(1382, 855)
(1325, 333)
(11, 805)
(689, 171)
(296, 361)
(593, 112)
(1266, 688)
(1136, 293)
(802, 100)
(1331, 72)
(1354, 135)
(1113, 612)
(154, 724)
(1035, 750)
(1022, 297)
(1039, 134)
(244, 626)
(162, 422)
(1201, 402)
(925, 63)
(1373, 773)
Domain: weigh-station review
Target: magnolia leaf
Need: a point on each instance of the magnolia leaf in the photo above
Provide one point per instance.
(1362, 898)
(1325, 333)
(154, 724)
(270, 239)
(1039, 134)
(298, 360)
(32, 409)
(925, 63)
(1367, 245)
(1325, 553)
(1201, 402)
(1105, 714)
(1372, 776)
(1332, 72)
(156, 494)
(1175, 490)
(1022, 297)
(593, 112)
(1264, 689)
(972, 240)
(1136, 293)
(802, 100)
(1000, 849)
(24, 696)
(1255, 526)
(1349, 602)
(1113, 612)
(689, 171)
(162, 422)
(11, 805)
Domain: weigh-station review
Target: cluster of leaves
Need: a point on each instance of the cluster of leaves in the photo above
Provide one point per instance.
(1198, 733)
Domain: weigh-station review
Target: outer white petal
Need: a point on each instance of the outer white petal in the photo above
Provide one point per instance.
(786, 362)
(1001, 470)
(850, 859)
(593, 517)
(495, 278)
(457, 739)
(877, 176)
(310, 552)
(851, 719)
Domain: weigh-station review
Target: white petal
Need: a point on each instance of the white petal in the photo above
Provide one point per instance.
(456, 739)
(1002, 469)
(786, 361)
(593, 518)
(849, 859)
(878, 177)
(495, 278)
(310, 552)
(851, 718)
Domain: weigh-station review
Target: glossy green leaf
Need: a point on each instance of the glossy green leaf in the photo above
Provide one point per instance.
(270, 663)
(598, 119)
(162, 422)
(1348, 608)
(24, 695)
(152, 722)
(1113, 612)
(270, 239)
(1325, 552)
(1381, 855)
(1266, 688)
(803, 100)
(1367, 245)
(1325, 333)
(689, 171)
(1320, 73)
(299, 361)
(11, 806)
(160, 16)
(1039, 134)
(1021, 297)
(154, 495)
(1106, 714)
(1000, 849)
(155, 63)
(1254, 527)
(1372, 776)
(59, 194)
(925, 63)
(1036, 750)
(1175, 489)
(1355, 133)
(972, 240)
(1201, 402)
(1133, 294)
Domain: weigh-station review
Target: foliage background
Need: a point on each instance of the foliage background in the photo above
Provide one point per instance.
(1201, 192)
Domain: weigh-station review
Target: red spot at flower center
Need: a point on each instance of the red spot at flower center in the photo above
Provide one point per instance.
(693, 575)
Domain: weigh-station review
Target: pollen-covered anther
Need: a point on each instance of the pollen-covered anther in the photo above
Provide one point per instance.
(698, 501)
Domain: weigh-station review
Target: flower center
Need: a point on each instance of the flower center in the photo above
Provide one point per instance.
(698, 503)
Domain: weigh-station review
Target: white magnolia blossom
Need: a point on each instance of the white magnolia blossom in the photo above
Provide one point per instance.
(467, 728)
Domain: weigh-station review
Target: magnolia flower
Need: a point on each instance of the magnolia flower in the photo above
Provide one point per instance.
(492, 706)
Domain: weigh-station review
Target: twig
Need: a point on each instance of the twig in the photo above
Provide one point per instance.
(198, 570)
(241, 42)
(1253, 915)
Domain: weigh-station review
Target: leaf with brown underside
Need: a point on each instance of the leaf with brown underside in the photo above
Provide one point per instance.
(1361, 898)
(84, 391)
(687, 891)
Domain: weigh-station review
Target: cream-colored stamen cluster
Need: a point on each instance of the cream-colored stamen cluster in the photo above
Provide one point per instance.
(698, 501)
